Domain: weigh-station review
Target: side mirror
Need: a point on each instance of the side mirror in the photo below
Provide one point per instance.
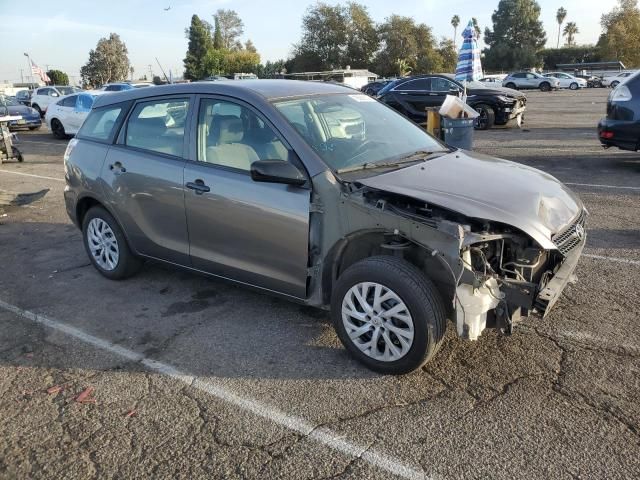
(54, 94)
(276, 171)
(454, 91)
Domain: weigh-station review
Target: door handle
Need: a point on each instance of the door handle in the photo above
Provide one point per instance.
(198, 186)
(117, 168)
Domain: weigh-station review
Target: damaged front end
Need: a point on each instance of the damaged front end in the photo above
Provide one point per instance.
(507, 275)
(493, 273)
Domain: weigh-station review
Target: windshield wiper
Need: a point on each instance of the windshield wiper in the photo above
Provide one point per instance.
(418, 156)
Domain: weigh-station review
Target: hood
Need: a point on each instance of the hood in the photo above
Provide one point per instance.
(489, 188)
(18, 110)
(509, 92)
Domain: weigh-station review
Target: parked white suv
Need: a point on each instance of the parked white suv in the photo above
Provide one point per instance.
(42, 97)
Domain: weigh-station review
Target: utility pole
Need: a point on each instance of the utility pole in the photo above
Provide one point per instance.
(21, 76)
(150, 72)
(29, 69)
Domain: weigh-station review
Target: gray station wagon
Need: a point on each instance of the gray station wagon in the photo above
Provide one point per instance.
(325, 196)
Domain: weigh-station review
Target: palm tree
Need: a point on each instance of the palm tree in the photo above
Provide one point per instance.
(455, 21)
(560, 16)
(476, 27)
(570, 31)
(404, 68)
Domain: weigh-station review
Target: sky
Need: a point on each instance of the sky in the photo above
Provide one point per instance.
(60, 34)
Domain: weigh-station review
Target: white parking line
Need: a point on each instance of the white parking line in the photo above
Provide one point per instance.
(33, 175)
(628, 261)
(217, 390)
(596, 185)
(55, 144)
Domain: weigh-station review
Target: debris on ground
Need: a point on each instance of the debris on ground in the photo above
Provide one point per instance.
(55, 389)
(86, 396)
(131, 413)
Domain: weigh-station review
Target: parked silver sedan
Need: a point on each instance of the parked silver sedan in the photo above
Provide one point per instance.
(327, 197)
(530, 80)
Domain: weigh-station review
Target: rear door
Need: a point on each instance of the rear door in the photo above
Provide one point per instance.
(252, 232)
(414, 97)
(143, 180)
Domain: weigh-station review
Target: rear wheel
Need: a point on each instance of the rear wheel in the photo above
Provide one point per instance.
(545, 86)
(37, 107)
(388, 314)
(615, 84)
(511, 85)
(58, 129)
(107, 246)
(573, 86)
(487, 117)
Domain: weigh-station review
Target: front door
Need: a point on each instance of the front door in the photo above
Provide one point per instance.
(143, 178)
(414, 96)
(252, 232)
(439, 89)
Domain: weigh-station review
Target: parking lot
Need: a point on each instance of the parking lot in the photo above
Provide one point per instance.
(192, 377)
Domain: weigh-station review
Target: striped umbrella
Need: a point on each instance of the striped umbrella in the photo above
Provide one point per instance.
(469, 66)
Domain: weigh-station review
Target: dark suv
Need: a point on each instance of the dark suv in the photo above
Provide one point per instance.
(621, 127)
(412, 95)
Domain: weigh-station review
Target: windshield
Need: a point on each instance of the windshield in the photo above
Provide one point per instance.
(67, 90)
(9, 101)
(354, 130)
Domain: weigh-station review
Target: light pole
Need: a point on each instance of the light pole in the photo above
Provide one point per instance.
(21, 76)
(29, 69)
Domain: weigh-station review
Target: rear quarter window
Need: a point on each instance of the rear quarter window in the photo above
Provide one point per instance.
(101, 123)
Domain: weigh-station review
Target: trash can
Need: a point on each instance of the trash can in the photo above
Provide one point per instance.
(458, 132)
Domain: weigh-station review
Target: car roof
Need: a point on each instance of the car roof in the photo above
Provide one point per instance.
(268, 89)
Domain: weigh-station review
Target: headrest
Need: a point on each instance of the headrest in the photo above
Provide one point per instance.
(231, 130)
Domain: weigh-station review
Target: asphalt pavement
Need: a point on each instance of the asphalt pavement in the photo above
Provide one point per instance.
(188, 377)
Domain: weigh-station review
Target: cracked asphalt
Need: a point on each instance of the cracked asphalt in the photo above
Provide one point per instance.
(560, 398)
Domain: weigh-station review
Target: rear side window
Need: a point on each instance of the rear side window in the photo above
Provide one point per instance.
(69, 101)
(100, 123)
(158, 126)
(422, 84)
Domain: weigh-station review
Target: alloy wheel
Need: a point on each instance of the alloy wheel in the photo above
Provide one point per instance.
(103, 244)
(377, 321)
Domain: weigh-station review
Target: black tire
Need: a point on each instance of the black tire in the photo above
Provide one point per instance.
(128, 264)
(615, 84)
(17, 154)
(487, 117)
(34, 128)
(574, 86)
(58, 129)
(418, 293)
(511, 85)
(37, 107)
(545, 87)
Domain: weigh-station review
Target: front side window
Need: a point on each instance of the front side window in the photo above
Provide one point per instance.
(158, 126)
(439, 84)
(100, 123)
(232, 135)
(43, 91)
(351, 130)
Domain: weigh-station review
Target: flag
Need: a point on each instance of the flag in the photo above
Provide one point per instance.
(36, 70)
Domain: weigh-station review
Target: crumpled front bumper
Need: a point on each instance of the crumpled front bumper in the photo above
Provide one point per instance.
(548, 296)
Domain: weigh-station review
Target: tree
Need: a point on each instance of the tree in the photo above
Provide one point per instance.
(621, 34)
(449, 53)
(200, 44)
(570, 31)
(516, 37)
(551, 57)
(109, 62)
(560, 16)
(217, 35)
(324, 37)
(361, 37)
(250, 47)
(58, 77)
(476, 27)
(455, 21)
(230, 28)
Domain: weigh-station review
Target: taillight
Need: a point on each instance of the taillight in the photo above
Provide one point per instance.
(620, 94)
(606, 135)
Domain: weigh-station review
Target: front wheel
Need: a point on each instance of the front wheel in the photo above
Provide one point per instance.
(545, 86)
(388, 314)
(107, 246)
(487, 117)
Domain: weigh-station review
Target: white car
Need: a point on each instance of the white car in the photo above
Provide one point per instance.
(42, 97)
(492, 81)
(614, 80)
(568, 81)
(66, 116)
